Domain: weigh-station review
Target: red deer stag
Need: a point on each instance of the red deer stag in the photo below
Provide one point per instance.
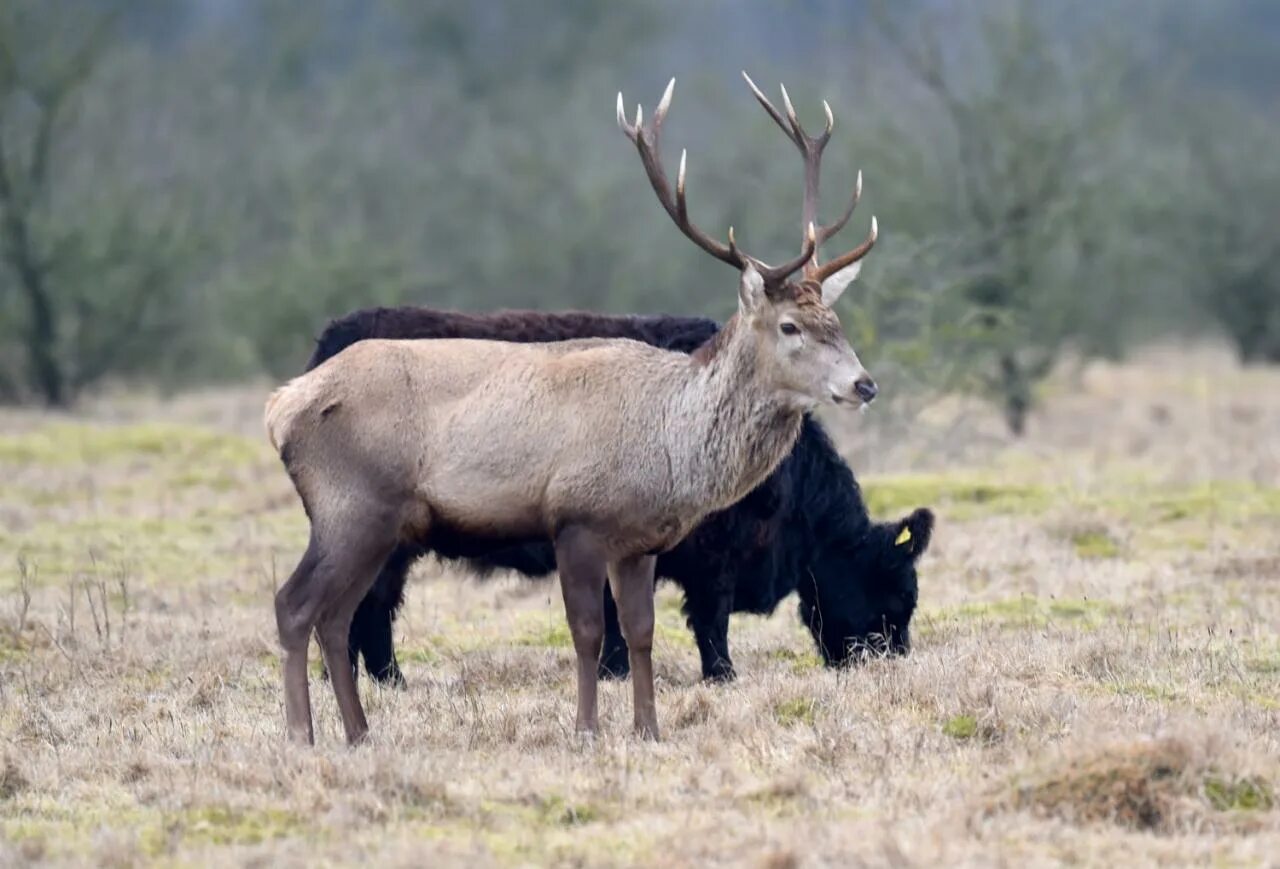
(612, 448)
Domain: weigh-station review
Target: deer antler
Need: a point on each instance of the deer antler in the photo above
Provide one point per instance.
(646, 139)
(811, 148)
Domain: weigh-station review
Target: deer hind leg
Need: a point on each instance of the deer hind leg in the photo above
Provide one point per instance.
(371, 632)
(340, 564)
(631, 580)
(296, 614)
(581, 559)
(349, 573)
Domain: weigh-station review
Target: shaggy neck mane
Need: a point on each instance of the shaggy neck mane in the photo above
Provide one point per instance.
(744, 428)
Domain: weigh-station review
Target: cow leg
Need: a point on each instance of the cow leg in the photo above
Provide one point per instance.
(707, 610)
(614, 663)
(371, 627)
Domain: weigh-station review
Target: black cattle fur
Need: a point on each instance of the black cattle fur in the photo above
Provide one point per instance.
(804, 529)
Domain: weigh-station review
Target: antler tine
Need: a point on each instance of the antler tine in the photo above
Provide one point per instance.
(811, 148)
(830, 229)
(646, 139)
(827, 269)
(791, 111)
(790, 122)
(773, 112)
(647, 143)
(665, 102)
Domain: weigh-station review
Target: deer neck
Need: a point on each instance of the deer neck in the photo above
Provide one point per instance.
(744, 427)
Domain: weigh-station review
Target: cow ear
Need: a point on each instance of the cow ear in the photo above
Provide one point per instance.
(915, 532)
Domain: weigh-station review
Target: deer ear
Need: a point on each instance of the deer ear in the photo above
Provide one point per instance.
(833, 287)
(751, 294)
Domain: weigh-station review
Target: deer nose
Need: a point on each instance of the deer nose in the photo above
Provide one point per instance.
(866, 389)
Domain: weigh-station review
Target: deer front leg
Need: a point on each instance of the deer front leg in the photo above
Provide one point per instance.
(632, 582)
(581, 560)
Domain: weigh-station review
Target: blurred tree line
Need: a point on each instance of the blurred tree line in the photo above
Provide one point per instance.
(190, 188)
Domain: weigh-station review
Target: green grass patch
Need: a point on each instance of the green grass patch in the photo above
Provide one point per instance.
(542, 812)
(545, 634)
(146, 549)
(964, 496)
(958, 496)
(150, 503)
(555, 810)
(799, 662)
(1094, 543)
(667, 635)
(960, 727)
(668, 603)
(64, 444)
(221, 825)
(1147, 690)
(171, 548)
(1229, 501)
(1239, 795)
(796, 711)
(66, 831)
(1266, 701)
(418, 655)
(1025, 613)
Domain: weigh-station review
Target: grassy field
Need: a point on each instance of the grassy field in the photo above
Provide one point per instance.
(1096, 675)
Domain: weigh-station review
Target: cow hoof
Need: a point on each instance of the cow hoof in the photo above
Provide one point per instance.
(720, 673)
(391, 679)
(613, 672)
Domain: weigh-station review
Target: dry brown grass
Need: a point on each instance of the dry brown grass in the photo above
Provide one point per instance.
(1163, 785)
(1096, 678)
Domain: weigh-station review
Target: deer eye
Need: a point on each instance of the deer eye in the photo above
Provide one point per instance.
(789, 329)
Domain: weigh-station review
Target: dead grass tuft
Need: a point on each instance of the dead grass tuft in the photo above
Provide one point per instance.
(1168, 785)
(694, 707)
(12, 781)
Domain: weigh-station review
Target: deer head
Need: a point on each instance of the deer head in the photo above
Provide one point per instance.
(786, 309)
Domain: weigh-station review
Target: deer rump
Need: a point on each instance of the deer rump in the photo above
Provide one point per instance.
(746, 558)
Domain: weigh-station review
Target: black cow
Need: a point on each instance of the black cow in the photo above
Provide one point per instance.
(804, 529)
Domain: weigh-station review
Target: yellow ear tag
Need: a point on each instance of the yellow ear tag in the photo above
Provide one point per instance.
(904, 537)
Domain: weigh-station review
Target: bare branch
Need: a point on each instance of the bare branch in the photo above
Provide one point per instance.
(53, 98)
